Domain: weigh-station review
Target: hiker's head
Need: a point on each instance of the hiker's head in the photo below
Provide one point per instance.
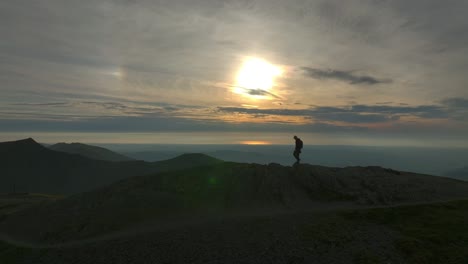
(295, 137)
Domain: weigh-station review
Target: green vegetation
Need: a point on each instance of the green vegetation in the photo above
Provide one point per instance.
(11, 203)
(435, 233)
(330, 231)
(325, 194)
(11, 254)
(366, 257)
(203, 186)
(431, 233)
(47, 195)
(334, 235)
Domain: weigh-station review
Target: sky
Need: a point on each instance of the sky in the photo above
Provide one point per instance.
(367, 72)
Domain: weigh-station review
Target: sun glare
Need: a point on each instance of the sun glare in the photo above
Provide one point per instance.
(256, 78)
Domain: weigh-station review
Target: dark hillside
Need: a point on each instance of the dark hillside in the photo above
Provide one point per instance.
(222, 188)
(26, 166)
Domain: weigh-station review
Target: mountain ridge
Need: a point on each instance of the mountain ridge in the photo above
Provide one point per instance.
(89, 151)
(23, 144)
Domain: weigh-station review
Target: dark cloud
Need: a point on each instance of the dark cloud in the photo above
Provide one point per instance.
(106, 111)
(123, 108)
(83, 109)
(155, 123)
(282, 112)
(356, 118)
(427, 111)
(43, 104)
(456, 102)
(352, 114)
(258, 92)
(325, 114)
(458, 108)
(346, 76)
(141, 118)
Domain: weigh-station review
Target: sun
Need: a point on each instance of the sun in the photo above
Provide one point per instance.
(256, 78)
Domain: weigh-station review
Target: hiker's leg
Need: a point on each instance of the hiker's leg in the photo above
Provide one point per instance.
(296, 154)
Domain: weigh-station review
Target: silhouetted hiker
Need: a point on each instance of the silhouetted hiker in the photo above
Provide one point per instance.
(297, 150)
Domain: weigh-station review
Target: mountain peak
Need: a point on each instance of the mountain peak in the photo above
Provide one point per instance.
(21, 146)
(189, 160)
(71, 144)
(22, 142)
(89, 151)
(26, 140)
(194, 157)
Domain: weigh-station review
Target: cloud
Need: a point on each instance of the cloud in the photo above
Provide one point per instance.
(323, 114)
(111, 116)
(346, 76)
(356, 114)
(356, 118)
(84, 109)
(456, 102)
(458, 108)
(451, 108)
(157, 123)
(257, 92)
(43, 104)
(427, 111)
(260, 92)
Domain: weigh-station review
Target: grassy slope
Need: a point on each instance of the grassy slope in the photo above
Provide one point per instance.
(10, 203)
(13, 254)
(436, 233)
(433, 233)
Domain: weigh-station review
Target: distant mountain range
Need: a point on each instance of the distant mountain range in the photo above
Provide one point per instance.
(432, 161)
(227, 155)
(26, 166)
(89, 151)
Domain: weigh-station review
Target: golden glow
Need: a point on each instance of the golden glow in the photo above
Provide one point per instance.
(255, 143)
(256, 78)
